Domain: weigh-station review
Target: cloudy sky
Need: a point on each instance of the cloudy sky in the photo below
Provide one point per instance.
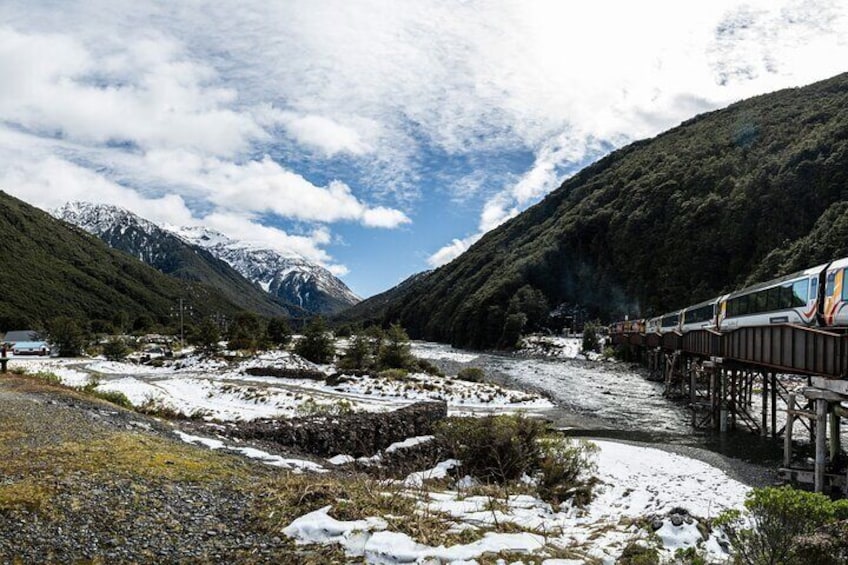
(377, 138)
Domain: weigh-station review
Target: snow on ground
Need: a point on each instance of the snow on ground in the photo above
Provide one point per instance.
(636, 483)
(557, 347)
(220, 390)
(295, 465)
(427, 350)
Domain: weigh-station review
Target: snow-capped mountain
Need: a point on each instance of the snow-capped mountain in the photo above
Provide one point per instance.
(289, 277)
(289, 282)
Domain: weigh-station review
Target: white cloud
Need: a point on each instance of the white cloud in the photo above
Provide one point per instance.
(264, 186)
(366, 92)
(52, 182)
(453, 250)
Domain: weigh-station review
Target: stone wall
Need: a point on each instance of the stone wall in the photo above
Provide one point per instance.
(362, 434)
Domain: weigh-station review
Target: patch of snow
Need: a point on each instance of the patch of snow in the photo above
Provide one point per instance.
(296, 465)
(440, 471)
(341, 460)
(409, 442)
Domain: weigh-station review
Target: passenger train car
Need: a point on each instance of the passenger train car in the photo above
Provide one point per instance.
(817, 296)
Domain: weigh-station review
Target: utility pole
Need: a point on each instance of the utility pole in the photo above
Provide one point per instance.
(182, 327)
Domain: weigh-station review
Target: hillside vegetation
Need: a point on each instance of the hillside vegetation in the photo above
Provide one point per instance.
(734, 195)
(49, 269)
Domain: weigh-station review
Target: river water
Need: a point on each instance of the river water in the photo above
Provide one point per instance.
(605, 400)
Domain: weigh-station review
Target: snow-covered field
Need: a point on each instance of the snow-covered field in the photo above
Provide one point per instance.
(638, 485)
(216, 390)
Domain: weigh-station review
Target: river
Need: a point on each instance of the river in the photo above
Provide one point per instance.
(606, 400)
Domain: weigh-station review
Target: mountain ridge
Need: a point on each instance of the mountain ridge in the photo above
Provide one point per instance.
(259, 278)
(659, 224)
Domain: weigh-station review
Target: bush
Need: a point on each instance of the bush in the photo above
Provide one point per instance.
(471, 374)
(316, 344)
(395, 352)
(68, 335)
(207, 336)
(393, 374)
(357, 357)
(494, 448)
(590, 337)
(562, 463)
(115, 349)
(776, 520)
(279, 332)
(115, 397)
(636, 554)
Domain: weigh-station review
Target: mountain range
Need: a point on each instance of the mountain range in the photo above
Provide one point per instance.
(51, 269)
(253, 277)
(727, 198)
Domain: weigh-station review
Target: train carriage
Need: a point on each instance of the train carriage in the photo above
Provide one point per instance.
(835, 310)
(792, 299)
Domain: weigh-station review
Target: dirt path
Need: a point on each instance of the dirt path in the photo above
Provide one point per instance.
(82, 480)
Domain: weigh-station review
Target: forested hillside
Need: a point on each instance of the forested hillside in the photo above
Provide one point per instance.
(50, 269)
(734, 195)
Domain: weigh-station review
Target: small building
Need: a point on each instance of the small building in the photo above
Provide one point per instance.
(26, 342)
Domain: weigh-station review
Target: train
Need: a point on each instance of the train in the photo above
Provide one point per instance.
(814, 297)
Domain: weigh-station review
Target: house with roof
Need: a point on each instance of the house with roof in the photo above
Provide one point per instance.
(26, 342)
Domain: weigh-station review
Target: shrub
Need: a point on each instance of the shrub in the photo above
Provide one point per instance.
(393, 374)
(777, 519)
(424, 366)
(279, 332)
(395, 352)
(68, 335)
(636, 554)
(357, 357)
(590, 337)
(49, 378)
(316, 344)
(471, 374)
(115, 397)
(207, 336)
(115, 349)
(494, 448)
(562, 463)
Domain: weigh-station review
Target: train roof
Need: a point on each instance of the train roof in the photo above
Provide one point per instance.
(709, 302)
(812, 271)
(840, 263)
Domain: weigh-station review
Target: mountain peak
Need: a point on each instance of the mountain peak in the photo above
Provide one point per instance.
(287, 277)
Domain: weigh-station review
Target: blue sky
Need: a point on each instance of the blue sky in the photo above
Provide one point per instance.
(377, 138)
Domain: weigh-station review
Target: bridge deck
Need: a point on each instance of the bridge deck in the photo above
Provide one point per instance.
(784, 348)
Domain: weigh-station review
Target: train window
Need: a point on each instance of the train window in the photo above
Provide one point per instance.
(757, 303)
(831, 281)
(670, 321)
(799, 293)
(786, 297)
(814, 289)
(772, 298)
(845, 284)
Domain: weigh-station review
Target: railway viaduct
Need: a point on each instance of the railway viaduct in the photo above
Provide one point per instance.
(731, 382)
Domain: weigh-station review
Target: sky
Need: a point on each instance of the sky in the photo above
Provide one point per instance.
(376, 138)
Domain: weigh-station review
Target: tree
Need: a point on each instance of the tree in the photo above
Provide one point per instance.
(115, 349)
(357, 356)
(512, 329)
(66, 333)
(279, 332)
(246, 331)
(207, 336)
(316, 344)
(395, 352)
(591, 342)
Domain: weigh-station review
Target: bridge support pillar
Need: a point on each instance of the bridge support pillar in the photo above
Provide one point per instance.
(821, 437)
(787, 434)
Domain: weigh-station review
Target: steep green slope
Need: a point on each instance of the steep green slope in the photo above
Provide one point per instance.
(732, 195)
(49, 268)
